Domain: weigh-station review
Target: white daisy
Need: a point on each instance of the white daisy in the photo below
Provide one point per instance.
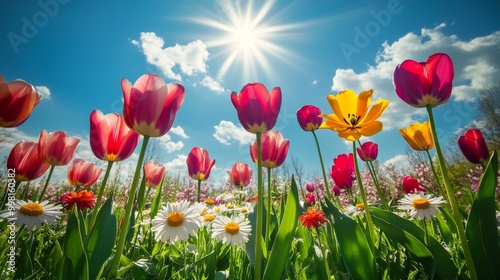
(231, 230)
(176, 221)
(32, 214)
(421, 206)
(355, 210)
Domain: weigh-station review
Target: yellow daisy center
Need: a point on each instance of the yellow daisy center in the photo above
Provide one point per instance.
(208, 218)
(209, 201)
(244, 210)
(232, 228)
(421, 203)
(217, 209)
(204, 212)
(31, 209)
(360, 207)
(229, 206)
(175, 219)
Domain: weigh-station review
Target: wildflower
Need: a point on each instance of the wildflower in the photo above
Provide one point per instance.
(356, 210)
(421, 206)
(175, 221)
(82, 199)
(231, 230)
(32, 214)
(313, 218)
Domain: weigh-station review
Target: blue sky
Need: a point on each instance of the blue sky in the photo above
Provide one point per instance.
(76, 53)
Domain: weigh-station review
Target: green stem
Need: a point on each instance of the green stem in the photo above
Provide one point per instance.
(451, 198)
(231, 263)
(327, 187)
(46, 183)
(100, 194)
(199, 189)
(269, 207)
(426, 233)
(369, 223)
(440, 188)
(260, 205)
(128, 210)
(323, 252)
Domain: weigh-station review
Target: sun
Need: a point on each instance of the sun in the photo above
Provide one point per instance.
(246, 38)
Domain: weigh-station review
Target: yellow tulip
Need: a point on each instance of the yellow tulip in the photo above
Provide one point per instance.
(351, 117)
(418, 136)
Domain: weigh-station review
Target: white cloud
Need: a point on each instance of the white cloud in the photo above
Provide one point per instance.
(315, 82)
(45, 91)
(227, 132)
(179, 131)
(177, 165)
(168, 145)
(189, 58)
(399, 161)
(211, 84)
(475, 62)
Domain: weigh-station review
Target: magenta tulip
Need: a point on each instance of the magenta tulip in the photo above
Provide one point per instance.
(370, 150)
(343, 171)
(274, 149)
(24, 159)
(411, 185)
(17, 101)
(309, 118)
(82, 173)
(240, 175)
(310, 187)
(473, 146)
(57, 148)
(199, 164)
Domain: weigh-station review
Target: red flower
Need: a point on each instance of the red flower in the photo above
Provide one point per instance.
(313, 218)
(82, 199)
(310, 199)
(57, 148)
(370, 150)
(274, 149)
(199, 164)
(25, 160)
(425, 83)
(257, 108)
(83, 173)
(336, 190)
(309, 118)
(240, 175)
(154, 173)
(110, 137)
(411, 185)
(473, 146)
(150, 105)
(17, 101)
(343, 171)
(310, 187)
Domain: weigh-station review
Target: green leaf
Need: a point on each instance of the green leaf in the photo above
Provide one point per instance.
(481, 230)
(102, 238)
(75, 259)
(353, 245)
(155, 205)
(250, 246)
(130, 233)
(24, 264)
(438, 264)
(280, 251)
(55, 259)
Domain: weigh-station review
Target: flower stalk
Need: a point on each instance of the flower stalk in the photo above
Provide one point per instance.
(260, 205)
(100, 194)
(327, 187)
(40, 198)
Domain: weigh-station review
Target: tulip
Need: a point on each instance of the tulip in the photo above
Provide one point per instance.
(343, 171)
(336, 190)
(154, 173)
(309, 117)
(17, 101)
(240, 175)
(110, 137)
(473, 146)
(82, 173)
(257, 108)
(25, 160)
(150, 105)
(368, 149)
(418, 136)
(310, 187)
(310, 199)
(56, 148)
(199, 164)
(411, 185)
(425, 83)
(274, 149)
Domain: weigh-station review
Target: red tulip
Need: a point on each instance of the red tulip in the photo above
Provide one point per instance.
(336, 190)
(17, 101)
(150, 105)
(257, 108)
(425, 83)
(411, 185)
(199, 164)
(343, 171)
(274, 149)
(309, 118)
(310, 187)
(310, 199)
(154, 173)
(110, 138)
(82, 173)
(24, 159)
(370, 150)
(56, 148)
(473, 146)
(240, 175)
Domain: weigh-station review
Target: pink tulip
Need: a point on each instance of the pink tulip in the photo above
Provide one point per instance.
(343, 171)
(257, 108)
(199, 164)
(17, 101)
(310, 187)
(24, 159)
(370, 150)
(309, 118)
(425, 83)
(154, 173)
(274, 149)
(56, 148)
(150, 105)
(310, 199)
(473, 146)
(411, 185)
(82, 173)
(240, 175)
(110, 138)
